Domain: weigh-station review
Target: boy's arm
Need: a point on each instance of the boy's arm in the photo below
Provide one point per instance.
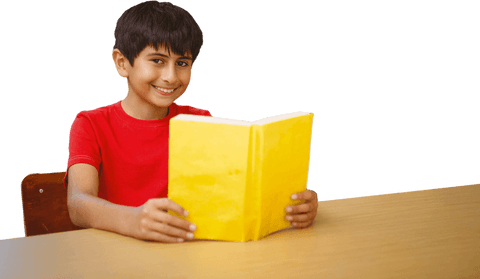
(86, 209)
(149, 221)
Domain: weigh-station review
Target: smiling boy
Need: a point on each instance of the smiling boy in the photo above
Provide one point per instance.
(157, 78)
(118, 164)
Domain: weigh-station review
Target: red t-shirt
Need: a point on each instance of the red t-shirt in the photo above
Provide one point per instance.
(131, 155)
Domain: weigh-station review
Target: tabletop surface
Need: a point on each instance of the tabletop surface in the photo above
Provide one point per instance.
(422, 234)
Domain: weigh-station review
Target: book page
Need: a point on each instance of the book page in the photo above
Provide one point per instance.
(210, 119)
(279, 117)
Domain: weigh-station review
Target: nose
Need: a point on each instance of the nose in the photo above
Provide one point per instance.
(169, 74)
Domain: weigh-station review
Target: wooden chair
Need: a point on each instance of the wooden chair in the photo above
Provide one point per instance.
(45, 204)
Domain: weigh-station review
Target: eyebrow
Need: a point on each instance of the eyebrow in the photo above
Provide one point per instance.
(166, 56)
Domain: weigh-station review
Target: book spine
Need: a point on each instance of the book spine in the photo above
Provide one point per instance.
(252, 204)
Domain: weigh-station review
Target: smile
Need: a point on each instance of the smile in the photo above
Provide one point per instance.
(164, 90)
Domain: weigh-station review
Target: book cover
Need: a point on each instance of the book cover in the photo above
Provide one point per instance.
(235, 178)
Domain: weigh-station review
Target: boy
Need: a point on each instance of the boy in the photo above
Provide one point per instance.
(118, 162)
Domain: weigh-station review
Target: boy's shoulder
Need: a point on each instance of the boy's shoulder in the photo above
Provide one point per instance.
(189, 110)
(100, 111)
(106, 111)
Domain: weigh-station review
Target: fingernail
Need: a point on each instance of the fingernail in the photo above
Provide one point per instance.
(180, 239)
(193, 227)
(185, 213)
(289, 209)
(289, 218)
(294, 197)
(190, 235)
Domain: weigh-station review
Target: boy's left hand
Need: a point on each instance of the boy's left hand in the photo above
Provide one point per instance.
(302, 215)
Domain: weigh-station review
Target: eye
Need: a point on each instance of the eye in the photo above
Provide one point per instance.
(157, 61)
(182, 64)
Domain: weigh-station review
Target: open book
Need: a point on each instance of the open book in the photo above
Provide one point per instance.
(235, 178)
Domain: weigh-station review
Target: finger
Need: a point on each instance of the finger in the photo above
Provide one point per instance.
(300, 217)
(170, 231)
(156, 236)
(301, 225)
(305, 195)
(162, 216)
(148, 232)
(171, 220)
(166, 204)
(299, 208)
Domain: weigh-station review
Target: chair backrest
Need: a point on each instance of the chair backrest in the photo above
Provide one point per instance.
(45, 204)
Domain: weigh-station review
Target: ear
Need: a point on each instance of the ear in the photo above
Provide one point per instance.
(121, 63)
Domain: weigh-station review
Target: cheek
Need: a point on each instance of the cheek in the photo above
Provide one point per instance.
(148, 75)
(185, 77)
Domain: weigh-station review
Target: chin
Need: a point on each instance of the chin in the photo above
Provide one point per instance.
(162, 103)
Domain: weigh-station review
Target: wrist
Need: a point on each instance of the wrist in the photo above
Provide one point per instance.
(125, 221)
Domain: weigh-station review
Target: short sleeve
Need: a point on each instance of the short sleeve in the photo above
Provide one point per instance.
(83, 145)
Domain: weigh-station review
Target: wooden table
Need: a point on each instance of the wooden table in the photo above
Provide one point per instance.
(423, 234)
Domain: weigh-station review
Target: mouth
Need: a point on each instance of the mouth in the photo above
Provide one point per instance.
(164, 91)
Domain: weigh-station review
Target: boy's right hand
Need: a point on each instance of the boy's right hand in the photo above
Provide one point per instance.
(153, 222)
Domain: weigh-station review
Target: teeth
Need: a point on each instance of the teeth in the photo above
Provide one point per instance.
(164, 90)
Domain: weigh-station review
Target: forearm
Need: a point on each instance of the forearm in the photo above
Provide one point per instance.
(93, 212)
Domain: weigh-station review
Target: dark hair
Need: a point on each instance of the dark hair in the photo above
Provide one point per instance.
(157, 24)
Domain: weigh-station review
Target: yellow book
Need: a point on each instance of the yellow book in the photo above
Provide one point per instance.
(235, 178)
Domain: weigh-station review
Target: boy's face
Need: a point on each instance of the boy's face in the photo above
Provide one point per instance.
(158, 77)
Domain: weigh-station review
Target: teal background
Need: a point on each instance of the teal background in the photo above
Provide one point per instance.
(393, 85)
